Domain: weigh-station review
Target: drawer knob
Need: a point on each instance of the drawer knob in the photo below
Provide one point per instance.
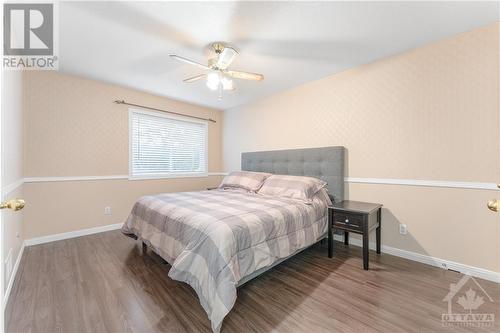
(346, 220)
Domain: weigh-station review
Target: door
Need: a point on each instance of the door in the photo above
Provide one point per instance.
(494, 203)
(492, 222)
(11, 180)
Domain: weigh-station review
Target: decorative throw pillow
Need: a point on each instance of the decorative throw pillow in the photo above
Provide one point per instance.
(250, 181)
(295, 187)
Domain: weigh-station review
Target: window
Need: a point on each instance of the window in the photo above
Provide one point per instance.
(166, 146)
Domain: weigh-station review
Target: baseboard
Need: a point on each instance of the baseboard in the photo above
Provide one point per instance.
(72, 234)
(13, 275)
(433, 261)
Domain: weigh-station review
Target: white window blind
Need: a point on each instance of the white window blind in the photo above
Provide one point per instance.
(163, 146)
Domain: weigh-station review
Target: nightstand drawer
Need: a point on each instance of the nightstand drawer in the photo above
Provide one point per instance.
(351, 221)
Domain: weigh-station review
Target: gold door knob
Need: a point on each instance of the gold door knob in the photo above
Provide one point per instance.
(15, 204)
(493, 205)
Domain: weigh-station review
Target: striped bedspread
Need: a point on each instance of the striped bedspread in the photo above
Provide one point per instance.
(212, 239)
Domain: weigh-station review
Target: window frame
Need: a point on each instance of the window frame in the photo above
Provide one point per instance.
(131, 176)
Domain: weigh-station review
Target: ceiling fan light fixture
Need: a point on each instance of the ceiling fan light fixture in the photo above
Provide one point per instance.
(218, 76)
(213, 81)
(227, 84)
(226, 57)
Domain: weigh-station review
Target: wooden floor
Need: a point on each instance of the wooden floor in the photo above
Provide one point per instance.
(103, 283)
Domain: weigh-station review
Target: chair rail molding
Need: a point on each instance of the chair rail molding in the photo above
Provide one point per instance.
(424, 182)
(108, 177)
(355, 180)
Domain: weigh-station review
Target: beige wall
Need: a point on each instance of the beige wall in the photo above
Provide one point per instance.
(68, 206)
(73, 128)
(74, 120)
(12, 164)
(431, 113)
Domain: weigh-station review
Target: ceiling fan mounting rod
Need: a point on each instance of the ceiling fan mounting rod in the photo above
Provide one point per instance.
(218, 47)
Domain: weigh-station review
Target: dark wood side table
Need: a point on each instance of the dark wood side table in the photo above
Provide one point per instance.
(354, 216)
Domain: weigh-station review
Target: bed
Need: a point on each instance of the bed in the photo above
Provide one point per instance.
(217, 240)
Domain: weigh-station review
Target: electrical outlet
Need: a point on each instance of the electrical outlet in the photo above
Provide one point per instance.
(403, 229)
(107, 210)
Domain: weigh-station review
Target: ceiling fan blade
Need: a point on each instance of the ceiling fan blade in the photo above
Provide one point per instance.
(194, 78)
(226, 57)
(187, 61)
(245, 75)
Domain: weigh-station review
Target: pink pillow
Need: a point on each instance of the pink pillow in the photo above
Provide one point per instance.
(295, 187)
(250, 181)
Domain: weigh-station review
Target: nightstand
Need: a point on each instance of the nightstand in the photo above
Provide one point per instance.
(354, 216)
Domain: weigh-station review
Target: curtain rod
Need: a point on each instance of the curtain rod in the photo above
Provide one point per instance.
(171, 112)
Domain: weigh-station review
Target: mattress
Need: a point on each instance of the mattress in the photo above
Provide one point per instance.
(214, 239)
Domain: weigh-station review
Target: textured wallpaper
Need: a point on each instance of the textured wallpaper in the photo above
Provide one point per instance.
(73, 128)
(431, 113)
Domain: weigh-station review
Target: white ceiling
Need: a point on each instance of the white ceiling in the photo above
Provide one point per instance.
(128, 43)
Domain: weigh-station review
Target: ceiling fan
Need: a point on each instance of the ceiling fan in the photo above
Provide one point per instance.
(220, 77)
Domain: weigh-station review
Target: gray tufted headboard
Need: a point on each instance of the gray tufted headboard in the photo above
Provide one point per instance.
(326, 163)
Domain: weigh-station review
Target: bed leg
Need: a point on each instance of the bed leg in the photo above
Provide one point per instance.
(144, 248)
